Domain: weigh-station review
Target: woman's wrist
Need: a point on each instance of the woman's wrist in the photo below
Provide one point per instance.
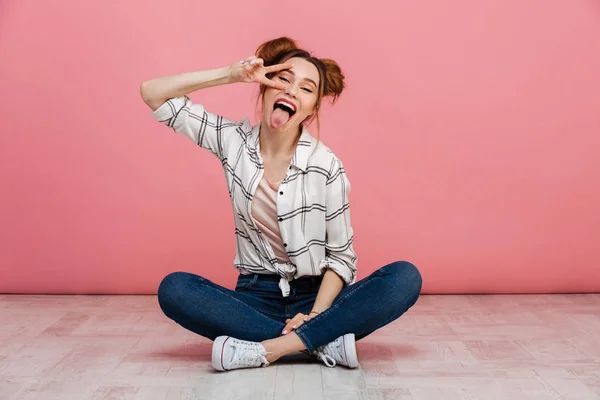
(231, 76)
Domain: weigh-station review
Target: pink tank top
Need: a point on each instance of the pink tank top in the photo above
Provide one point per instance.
(264, 212)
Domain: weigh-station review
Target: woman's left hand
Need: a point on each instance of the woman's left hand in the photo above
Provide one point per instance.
(295, 322)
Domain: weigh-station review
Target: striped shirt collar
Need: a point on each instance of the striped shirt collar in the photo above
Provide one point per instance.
(304, 147)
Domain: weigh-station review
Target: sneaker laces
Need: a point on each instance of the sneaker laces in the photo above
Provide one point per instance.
(329, 353)
(254, 357)
(250, 358)
(326, 355)
(326, 358)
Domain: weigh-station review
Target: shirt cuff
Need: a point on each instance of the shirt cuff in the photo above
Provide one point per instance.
(166, 111)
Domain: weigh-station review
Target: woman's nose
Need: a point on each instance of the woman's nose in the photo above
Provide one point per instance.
(291, 90)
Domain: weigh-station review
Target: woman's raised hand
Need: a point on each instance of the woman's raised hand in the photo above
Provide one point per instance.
(252, 69)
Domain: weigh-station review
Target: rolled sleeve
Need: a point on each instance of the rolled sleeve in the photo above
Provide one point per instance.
(207, 130)
(340, 255)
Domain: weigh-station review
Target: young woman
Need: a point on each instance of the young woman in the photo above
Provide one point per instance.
(297, 288)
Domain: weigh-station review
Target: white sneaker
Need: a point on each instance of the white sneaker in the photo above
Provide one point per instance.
(230, 353)
(341, 351)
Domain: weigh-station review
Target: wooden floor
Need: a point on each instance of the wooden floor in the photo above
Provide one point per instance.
(446, 347)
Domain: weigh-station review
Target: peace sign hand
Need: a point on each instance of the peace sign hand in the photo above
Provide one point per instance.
(252, 69)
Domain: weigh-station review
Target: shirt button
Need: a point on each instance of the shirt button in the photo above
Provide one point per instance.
(280, 192)
(285, 245)
(280, 219)
(290, 167)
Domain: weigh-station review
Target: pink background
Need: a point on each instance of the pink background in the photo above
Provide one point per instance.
(470, 131)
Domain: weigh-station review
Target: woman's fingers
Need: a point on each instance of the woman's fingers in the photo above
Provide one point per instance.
(256, 71)
(278, 67)
(253, 62)
(268, 82)
(248, 59)
(294, 323)
(289, 327)
(246, 64)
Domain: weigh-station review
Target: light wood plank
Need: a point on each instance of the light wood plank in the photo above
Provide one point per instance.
(446, 347)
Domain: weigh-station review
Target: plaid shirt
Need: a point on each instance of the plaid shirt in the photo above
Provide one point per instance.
(312, 204)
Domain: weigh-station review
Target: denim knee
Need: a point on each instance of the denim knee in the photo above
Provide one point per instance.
(169, 290)
(408, 278)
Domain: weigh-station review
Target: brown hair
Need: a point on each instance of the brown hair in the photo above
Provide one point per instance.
(331, 78)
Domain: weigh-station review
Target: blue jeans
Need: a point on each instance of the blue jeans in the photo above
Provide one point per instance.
(257, 311)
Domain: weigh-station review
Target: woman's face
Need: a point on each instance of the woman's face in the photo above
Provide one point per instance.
(288, 108)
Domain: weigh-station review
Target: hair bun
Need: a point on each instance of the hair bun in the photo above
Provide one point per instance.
(273, 49)
(334, 79)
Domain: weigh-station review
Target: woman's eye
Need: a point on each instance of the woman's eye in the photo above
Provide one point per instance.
(307, 90)
(284, 79)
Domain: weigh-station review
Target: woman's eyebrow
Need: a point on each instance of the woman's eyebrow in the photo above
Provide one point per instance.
(306, 79)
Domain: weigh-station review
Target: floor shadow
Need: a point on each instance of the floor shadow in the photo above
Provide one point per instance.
(367, 351)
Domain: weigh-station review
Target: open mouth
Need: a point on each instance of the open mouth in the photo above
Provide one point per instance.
(283, 110)
(285, 106)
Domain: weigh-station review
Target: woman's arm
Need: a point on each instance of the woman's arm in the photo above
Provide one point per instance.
(168, 98)
(340, 262)
(157, 91)
(331, 286)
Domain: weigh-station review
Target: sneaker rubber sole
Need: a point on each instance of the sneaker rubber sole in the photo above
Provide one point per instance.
(349, 342)
(217, 352)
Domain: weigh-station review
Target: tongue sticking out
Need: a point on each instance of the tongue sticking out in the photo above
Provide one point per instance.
(279, 118)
